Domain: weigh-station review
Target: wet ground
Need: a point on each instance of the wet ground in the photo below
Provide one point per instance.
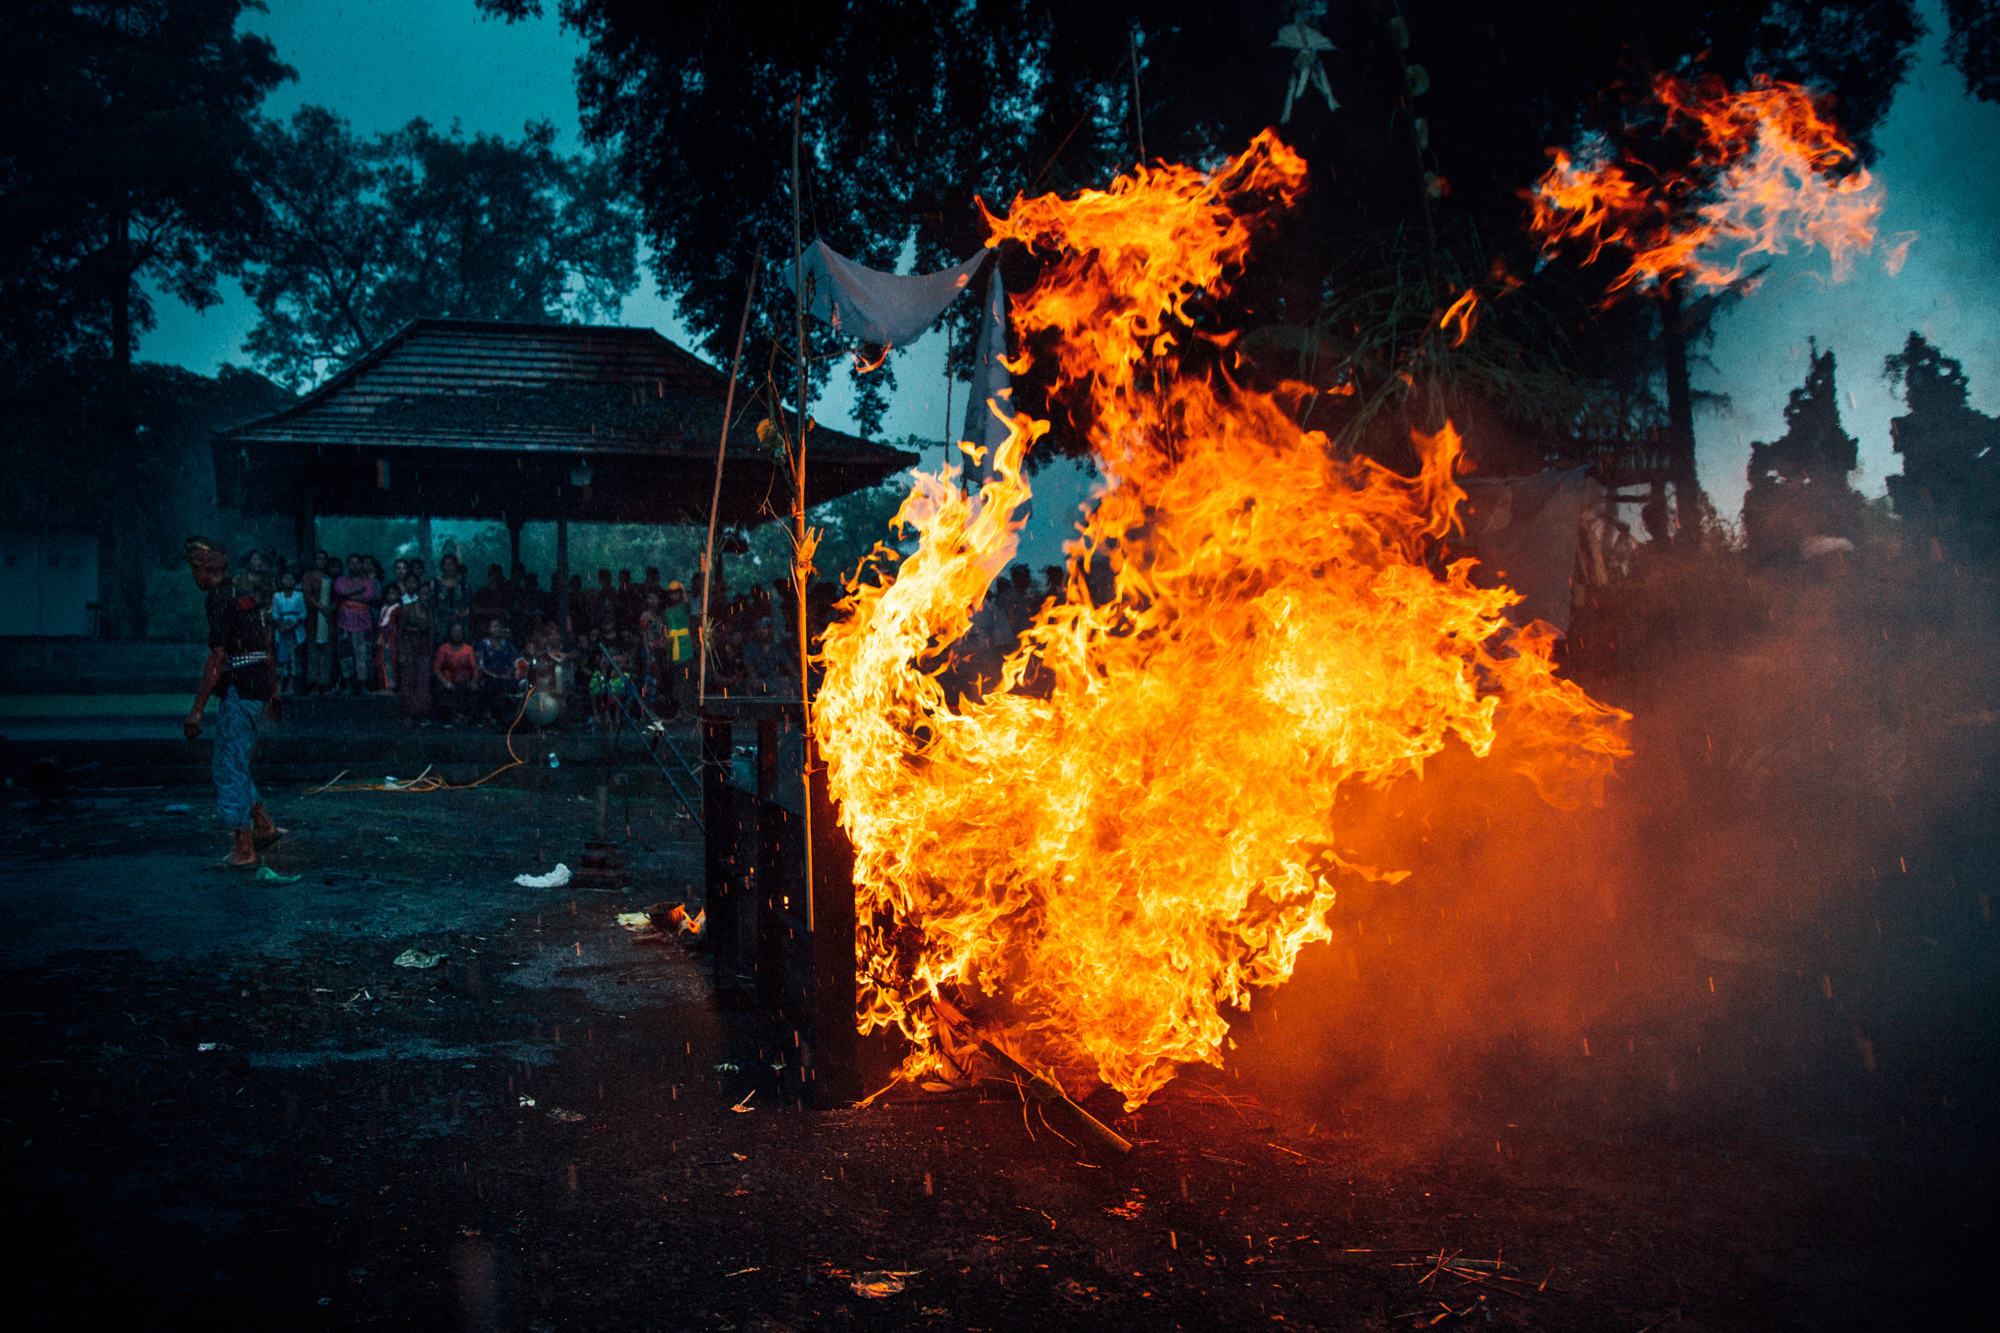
(226, 1106)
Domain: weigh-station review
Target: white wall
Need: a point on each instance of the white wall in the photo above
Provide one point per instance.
(47, 583)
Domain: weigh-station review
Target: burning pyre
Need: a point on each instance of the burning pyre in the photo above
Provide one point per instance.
(1102, 860)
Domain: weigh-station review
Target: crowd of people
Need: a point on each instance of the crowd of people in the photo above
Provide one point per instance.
(453, 654)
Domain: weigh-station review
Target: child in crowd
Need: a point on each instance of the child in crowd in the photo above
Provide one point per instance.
(288, 614)
(499, 663)
(611, 687)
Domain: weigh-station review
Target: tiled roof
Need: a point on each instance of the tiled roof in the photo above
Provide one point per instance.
(465, 418)
(444, 383)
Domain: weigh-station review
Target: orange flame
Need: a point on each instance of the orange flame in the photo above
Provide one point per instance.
(1769, 168)
(1139, 825)
(1464, 313)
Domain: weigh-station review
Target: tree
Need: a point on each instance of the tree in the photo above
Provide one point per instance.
(1446, 112)
(1973, 45)
(365, 235)
(63, 465)
(1951, 453)
(1798, 483)
(126, 151)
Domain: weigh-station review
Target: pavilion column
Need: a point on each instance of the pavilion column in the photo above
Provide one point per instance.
(424, 543)
(513, 522)
(562, 560)
(306, 540)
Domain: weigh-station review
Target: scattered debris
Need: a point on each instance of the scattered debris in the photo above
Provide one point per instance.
(876, 1285)
(414, 957)
(674, 917)
(528, 1101)
(635, 921)
(178, 809)
(1132, 1207)
(555, 879)
(266, 875)
(566, 1117)
(744, 1107)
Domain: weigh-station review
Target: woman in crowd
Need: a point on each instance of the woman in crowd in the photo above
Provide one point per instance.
(355, 594)
(455, 670)
(451, 599)
(412, 625)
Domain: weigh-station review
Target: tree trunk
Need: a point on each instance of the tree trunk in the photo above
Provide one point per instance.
(129, 554)
(1680, 417)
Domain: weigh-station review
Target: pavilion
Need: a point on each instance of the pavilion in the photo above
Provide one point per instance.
(518, 423)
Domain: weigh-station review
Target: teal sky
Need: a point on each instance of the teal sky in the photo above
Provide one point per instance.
(381, 62)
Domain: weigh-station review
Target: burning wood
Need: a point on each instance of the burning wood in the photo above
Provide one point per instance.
(1155, 832)
(1049, 1093)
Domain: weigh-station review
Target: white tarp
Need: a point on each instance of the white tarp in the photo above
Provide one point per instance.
(888, 309)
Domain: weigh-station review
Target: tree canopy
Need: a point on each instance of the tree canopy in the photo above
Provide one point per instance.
(1798, 483)
(1445, 114)
(1951, 452)
(126, 151)
(362, 235)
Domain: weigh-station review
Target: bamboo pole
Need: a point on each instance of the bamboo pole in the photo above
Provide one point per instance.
(800, 568)
(715, 498)
(1049, 1093)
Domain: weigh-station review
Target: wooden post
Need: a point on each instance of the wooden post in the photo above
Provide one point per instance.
(835, 1081)
(561, 589)
(513, 522)
(719, 851)
(307, 537)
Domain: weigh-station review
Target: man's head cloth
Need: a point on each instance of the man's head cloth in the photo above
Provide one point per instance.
(206, 551)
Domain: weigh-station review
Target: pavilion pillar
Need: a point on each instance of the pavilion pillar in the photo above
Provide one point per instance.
(562, 561)
(306, 539)
(424, 543)
(513, 522)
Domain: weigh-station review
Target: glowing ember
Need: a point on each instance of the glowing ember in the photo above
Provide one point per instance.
(1104, 862)
(1770, 167)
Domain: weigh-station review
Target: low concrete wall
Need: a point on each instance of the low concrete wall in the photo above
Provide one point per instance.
(99, 666)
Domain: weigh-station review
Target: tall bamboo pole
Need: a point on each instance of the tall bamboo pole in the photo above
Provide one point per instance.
(715, 498)
(799, 566)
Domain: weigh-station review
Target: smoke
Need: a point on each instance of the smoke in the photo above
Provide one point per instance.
(1779, 919)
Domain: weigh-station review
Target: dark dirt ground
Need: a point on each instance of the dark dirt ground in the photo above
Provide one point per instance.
(542, 1134)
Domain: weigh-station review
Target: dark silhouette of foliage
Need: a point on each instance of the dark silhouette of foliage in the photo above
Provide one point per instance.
(126, 151)
(1973, 45)
(1446, 111)
(1950, 483)
(1798, 483)
(365, 235)
(65, 464)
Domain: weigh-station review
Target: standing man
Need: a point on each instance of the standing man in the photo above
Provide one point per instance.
(242, 678)
(677, 677)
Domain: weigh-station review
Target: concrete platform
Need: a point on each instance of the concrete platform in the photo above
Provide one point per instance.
(135, 740)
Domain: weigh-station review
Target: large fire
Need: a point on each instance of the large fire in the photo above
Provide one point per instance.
(1765, 168)
(1142, 822)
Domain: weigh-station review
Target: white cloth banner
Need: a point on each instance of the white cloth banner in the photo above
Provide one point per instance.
(992, 385)
(888, 309)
